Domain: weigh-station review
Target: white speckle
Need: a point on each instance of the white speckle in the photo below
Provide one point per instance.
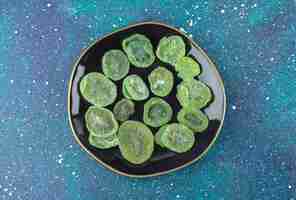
(178, 196)
(48, 5)
(267, 98)
(27, 16)
(57, 104)
(10, 193)
(5, 189)
(190, 35)
(290, 186)
(190, 22)
(89, 26)
(60, 155)
(60, 161)
(186, 12)
(183, 30)
(11, 81)
(44, 101)
(46, 83)
(271, 59)
(242, 5)
(16, 32)
(233, 107)
(248, 30)
(195, 7)
(55, 29)
(235, 8)
(146, 9)
(255, 5)
(120, 19)
(171, 184)
(29, 91)
(198, 18)
(222, 11)
(73, 173)
(114, 26)
(34, 81)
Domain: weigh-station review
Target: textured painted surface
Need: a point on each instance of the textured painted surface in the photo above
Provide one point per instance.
(254, 45)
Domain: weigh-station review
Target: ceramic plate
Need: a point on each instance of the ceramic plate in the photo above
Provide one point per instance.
(162, 161)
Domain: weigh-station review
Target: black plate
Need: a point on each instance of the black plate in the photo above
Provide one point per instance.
(162, 161)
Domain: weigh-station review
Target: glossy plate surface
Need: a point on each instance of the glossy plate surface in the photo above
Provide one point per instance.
(162, 161)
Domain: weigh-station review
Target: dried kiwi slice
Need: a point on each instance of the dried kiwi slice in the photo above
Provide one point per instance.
(136, 142)
(100, 122)
(103, 142)
(158, 135)
(123, 109)
(133, 87)
(193, 119)
(157, 112)
(125, 92)
(115, 64)
(178, 138)
(187, 68)
(98, 89)
(161, 81)
(171, 49)
(139, 50)
(193, 94)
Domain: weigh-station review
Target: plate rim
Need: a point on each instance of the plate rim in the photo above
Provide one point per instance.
(212, 64)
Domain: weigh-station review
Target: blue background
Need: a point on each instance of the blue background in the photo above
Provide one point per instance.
(254, 45)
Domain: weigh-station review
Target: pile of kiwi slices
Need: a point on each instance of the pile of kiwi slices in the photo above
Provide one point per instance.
(109, 128)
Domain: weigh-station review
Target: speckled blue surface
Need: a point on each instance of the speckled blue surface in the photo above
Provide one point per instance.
(254, 45)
